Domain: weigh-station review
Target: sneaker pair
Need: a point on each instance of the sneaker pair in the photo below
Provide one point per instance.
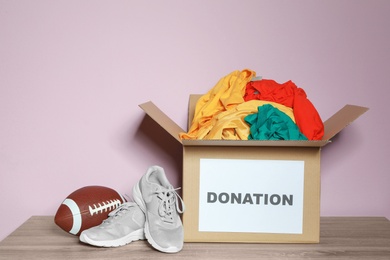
(154, 216)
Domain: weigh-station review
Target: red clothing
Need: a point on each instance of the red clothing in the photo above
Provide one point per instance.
(288, 94)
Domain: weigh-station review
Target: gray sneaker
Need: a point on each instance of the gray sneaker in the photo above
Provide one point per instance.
(123, 225)
(160, 202)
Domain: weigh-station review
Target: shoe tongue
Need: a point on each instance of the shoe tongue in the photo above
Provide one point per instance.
(154, 179)
(159, 178)
(156, 187)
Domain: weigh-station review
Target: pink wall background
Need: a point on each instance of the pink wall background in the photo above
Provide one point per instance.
(72, 74)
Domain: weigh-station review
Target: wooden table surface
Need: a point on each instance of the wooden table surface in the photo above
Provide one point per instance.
(341, 238)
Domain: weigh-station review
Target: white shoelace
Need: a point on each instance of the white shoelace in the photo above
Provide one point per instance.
(169, 203)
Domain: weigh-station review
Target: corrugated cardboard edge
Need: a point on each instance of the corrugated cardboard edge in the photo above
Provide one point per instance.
(276, 143)
(162, 119)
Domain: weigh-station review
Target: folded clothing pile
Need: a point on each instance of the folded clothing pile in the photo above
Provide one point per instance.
(243, 107)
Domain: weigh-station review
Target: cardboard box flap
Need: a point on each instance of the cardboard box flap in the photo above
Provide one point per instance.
(162, 119)
(342, 119)
(191, 107)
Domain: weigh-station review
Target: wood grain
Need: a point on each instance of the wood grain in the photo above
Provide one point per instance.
(341, 238)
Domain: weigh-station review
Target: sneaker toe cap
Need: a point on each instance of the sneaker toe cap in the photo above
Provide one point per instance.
(171, 238)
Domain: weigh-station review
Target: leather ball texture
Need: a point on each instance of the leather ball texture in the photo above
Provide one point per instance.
(87, 207)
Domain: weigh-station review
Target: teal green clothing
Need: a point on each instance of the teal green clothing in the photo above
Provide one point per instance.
(272, 124)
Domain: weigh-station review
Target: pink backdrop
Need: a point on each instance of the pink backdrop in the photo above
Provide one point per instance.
(72, 74)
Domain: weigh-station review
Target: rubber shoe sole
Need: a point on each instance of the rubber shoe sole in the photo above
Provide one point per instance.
(134, 236)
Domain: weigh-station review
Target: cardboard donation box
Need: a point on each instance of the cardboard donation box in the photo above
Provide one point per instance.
(252, 191)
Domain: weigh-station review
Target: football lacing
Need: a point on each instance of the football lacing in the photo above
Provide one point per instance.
(104, 206)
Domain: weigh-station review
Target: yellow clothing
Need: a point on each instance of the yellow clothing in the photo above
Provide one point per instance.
(225, 95)
(230, 124)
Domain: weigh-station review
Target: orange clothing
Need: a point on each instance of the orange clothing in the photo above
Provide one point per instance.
(307, 118)
(225, 95)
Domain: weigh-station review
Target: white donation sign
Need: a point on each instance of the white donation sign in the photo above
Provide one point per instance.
(256, 196)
